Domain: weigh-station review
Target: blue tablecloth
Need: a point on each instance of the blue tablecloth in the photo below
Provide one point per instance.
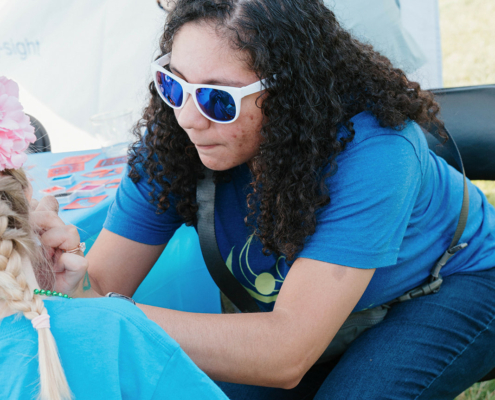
(179, 280)
(88, 221)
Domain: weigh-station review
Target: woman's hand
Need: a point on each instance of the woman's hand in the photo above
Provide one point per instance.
(57, 238)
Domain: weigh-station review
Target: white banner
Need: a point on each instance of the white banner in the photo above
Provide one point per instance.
(74, 59)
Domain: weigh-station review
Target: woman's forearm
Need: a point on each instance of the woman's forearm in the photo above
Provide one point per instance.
(256, 349)
(272, 348)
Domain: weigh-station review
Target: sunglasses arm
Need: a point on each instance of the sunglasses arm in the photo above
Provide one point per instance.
(253, 88)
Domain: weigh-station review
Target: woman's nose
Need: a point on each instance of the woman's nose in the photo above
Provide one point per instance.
(189, 116)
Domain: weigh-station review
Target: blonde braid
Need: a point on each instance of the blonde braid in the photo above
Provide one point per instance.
(16, 240)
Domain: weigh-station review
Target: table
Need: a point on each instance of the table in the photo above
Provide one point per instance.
(179, 280)
(88, 221)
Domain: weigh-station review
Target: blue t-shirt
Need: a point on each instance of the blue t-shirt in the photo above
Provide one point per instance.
(394, 207)
(109, 350)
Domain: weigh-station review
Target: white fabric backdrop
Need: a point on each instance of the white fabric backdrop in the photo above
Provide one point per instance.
(74, 59)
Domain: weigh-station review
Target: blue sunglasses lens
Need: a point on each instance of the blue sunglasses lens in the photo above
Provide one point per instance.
(170, 88)
(216, 104)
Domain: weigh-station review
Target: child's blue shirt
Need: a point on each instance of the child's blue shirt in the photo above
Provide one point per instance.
(109, 351)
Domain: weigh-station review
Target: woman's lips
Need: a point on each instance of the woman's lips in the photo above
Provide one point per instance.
(206, 147)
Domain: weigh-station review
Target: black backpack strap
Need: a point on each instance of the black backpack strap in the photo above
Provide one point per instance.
(435, 281)
(226, 282)
(463, 216)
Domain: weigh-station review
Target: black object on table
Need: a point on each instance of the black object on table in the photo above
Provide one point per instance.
(42, 143)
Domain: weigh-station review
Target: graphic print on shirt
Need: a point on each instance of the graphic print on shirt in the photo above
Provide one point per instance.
(263, 287)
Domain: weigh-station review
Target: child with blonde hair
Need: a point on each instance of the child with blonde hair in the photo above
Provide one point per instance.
(75, 348)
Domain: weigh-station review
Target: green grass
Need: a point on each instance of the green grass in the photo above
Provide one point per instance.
(488, 188)
(479, 391)
(468, 48)
(468, 45)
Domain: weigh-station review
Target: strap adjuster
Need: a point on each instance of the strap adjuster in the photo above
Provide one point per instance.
(435, 273)
(455, 249)
(433, 286)
(428, 288)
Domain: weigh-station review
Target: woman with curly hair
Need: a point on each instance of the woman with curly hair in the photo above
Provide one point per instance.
(328, 202)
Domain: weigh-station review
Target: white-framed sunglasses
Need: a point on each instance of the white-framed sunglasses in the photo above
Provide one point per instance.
(220, 104)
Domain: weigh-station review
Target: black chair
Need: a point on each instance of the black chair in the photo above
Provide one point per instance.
(42, 143)
(469, 115)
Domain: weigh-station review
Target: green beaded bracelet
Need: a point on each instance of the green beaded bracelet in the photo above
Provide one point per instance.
(44, 292)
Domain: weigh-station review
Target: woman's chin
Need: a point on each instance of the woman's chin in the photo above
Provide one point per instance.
(216, 164)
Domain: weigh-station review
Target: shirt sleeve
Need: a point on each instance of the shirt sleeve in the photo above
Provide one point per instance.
(186, 381)
(134, 217)
(372, 197)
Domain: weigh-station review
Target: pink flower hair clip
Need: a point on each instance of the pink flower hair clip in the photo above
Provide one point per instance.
(16, 131)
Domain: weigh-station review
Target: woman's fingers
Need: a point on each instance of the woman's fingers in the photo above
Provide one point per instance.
(54, 234)
(70, 270)
(44, 220)
(45, 215)
(71, 264)
(57, 237)
(64, 237)
(48, 203)
(34, 203)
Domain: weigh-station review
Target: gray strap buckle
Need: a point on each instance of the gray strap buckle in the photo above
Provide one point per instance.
(427, 288)
(446, 257)
(433, 286)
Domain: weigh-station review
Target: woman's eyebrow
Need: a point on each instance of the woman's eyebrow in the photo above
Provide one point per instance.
(225, 82)
(175, 70)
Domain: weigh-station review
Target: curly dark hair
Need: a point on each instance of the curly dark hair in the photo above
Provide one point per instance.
(318, 78)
